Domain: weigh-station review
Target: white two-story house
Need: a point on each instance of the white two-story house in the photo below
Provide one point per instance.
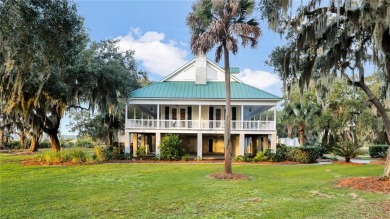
(190, 102)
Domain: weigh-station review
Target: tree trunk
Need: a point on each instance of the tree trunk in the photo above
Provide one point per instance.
(324, 140)
(301, 131)
(2, 139)
(289, 130)
(385, 118)
(386, 172)
(386, 122)
(110, 138)
(54, 142)
(348, 159)
(23, 139)
(34, 144)
(227, 137)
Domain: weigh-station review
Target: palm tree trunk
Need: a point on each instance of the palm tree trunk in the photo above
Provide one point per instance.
(301, 130)
(289, 130)
(110, 138)
(228, 117)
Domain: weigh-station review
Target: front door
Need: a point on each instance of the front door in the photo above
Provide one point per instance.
(211, 145)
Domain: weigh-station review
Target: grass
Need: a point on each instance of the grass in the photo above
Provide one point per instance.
(182, 191)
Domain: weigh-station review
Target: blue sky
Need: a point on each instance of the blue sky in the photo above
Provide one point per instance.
(157, 32)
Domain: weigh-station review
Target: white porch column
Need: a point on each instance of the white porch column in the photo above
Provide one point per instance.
(275, 117)
(200, 116)
(127, 141)
(273, 142)
(158, 118)
(158, 140)
(241, 146)
(242, 117)
(199, 149)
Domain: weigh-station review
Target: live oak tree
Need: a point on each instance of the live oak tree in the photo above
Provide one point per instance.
(334, 38)
(223, 24)
(112, 76)
(39, 40)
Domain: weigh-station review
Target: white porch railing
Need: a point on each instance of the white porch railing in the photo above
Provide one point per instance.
(196, 125)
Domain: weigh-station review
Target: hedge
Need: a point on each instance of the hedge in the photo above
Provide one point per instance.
(378, 151)
(307, 154)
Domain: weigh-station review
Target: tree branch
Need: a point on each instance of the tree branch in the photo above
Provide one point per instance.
(77, 107)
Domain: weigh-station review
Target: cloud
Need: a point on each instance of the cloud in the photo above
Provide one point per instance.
(156, 55)
(260, 79)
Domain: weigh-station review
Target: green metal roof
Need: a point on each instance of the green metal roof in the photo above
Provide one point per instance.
(190, 90)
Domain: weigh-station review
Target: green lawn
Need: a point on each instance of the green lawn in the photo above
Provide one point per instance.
(182, 191)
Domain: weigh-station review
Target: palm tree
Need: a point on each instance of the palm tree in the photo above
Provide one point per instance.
(223, 23)
(302, 113)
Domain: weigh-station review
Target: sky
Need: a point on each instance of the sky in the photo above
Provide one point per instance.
(156, 30)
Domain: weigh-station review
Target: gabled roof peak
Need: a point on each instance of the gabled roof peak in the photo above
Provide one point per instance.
(191, 71)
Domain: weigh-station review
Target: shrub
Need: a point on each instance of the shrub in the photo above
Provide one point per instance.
(141, 151)
(50, 157)
(77, 156)
(307, 154)
(278, 156)
(103, 153)
(44, 144)
(66, 144)
(84, 143)
(116, 152)
(13, 145)
(53, 157)
(242, 158)
(260, 156)
(378, 151)
(186, 157)
(171, 147)
(347, 149)
(124, 156)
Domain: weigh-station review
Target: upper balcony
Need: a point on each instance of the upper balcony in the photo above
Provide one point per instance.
(150, 117)
(152, 124)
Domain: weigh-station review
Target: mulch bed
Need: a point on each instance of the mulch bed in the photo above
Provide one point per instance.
(229, 176)
(369, 184)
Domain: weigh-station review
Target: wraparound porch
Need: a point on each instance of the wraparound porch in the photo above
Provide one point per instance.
(200, 144)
